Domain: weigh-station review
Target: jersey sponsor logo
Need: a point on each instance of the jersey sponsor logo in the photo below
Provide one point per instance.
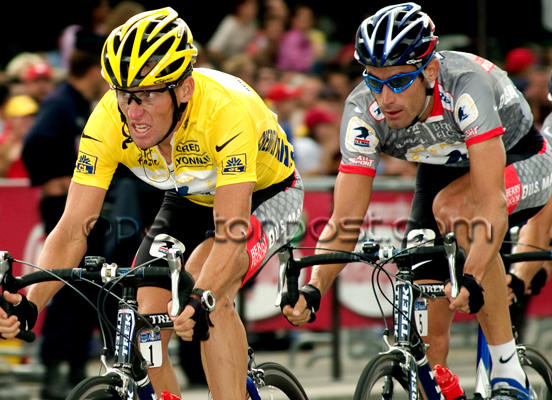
(86, 163)
(361, 161)
(485, 64)
(234, 164)
(222, 146)
(446, 99)
(85, 136)
(375, 111)
(530, 189)
(465, 111)
(438, 154)
(509, 94)
(360, 137)
(271, 143)
(189, 154)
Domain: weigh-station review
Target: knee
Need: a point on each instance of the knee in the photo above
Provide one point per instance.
(449, 209)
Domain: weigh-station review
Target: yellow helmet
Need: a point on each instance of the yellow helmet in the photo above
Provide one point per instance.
(157, 36)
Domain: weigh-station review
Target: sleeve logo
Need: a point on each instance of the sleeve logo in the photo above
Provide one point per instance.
(465, 111)
(234, 164)
(86, 163)
(360, 137)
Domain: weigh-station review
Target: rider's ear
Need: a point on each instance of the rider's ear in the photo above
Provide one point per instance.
(432, 70)
(187, 89)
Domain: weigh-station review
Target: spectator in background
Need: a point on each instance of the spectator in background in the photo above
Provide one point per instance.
(53, 142)
(302, 47)
(38, 80)
(20, 113)
(263, 47)
(317, 152)
(89, 17)
(242, 66)
(121, 13)
(234, 32)
(30, 74)
(520, 64)
(283, 99)
(265, 78)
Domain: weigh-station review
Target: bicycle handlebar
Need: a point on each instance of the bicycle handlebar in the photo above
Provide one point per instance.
(182, 282)
(371, 253)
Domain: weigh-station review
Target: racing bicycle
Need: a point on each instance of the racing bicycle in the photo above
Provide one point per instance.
(136, 334)
(403, 371)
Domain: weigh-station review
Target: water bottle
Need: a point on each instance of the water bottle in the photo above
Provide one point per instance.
(448, 382)
(168, 396)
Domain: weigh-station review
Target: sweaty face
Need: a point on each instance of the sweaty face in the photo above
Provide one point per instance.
(399, 109)
(149, 121)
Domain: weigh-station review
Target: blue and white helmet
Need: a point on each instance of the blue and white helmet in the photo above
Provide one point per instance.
(396, 35)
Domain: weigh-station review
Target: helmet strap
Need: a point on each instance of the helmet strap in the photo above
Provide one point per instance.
(429, 93)
(177, 114)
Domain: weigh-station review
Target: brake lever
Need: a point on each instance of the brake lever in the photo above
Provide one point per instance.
(283, 256)
(451, 248)
(182, 282)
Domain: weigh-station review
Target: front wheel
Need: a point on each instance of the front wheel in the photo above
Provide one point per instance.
(97, 388)
(538, 370)
(383, 378)
(279, 384)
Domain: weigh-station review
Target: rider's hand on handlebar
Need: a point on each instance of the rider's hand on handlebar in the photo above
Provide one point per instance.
(9, 325)
(184, 324)
(461, 302)
(470, 299)
(193, 323)
(300, 314)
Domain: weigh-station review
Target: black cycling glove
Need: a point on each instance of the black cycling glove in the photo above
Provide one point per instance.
(201, 317)
(518, 286)
(538, 281)
(476, 300)
(312, 296)
(26, 312)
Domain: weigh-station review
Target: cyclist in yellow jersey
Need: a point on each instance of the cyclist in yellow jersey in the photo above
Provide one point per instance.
(233, 197)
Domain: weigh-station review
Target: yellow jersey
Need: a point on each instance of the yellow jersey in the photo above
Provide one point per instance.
(228, 136)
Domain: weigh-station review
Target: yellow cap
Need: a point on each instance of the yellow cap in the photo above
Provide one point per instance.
(20, 106)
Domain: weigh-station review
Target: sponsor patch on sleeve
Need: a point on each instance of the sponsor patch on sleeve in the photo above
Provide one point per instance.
(465, 111)
(86, 163)
(234, 164)
(360, 137)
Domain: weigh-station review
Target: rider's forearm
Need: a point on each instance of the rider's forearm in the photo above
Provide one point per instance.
(487, 233)
(336, 239)
(60, 251)
(226, 261)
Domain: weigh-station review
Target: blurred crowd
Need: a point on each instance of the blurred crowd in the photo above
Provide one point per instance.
(282, 51)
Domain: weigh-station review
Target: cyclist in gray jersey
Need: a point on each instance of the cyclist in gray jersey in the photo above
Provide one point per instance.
(482, 166)
(537, 232)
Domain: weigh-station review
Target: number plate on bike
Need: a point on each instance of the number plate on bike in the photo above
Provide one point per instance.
(150, 347)
(420, 314)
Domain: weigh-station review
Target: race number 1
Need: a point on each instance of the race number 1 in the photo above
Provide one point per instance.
(150, 347)
(420, 315)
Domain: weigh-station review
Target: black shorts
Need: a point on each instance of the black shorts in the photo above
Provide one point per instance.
(275, 218)
(529, 161)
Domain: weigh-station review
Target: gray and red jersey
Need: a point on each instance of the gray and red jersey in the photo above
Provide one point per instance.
(475, 101)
